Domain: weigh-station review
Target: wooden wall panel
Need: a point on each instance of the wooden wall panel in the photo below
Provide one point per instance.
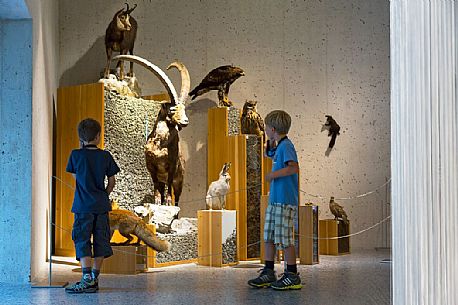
(73, 104)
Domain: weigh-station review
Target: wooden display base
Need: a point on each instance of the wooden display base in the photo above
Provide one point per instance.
(213, 228)
(126, 260)
(308, 234)
(330, 228)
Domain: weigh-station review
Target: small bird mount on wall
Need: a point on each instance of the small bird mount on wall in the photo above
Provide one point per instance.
(333, 131)
(219, 79)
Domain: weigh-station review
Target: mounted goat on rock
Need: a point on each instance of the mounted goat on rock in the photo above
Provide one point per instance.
(120, 37)
(163, 158)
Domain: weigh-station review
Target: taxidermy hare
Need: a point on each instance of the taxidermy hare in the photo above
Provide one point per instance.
(216, 194)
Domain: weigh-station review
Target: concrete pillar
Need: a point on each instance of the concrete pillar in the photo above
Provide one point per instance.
(424, 152)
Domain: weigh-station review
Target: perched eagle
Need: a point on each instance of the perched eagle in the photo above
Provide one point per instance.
(251, 122)
(337, 210)
(219, 79)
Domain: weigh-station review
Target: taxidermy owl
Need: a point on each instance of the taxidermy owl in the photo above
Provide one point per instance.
(333, 129)
(219, 79)
(251, 122)
(338, 211)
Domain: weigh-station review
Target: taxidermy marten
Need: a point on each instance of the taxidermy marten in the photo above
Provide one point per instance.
(127, 223)
(334, 129)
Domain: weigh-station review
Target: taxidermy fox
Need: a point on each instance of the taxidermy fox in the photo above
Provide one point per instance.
(127, 223)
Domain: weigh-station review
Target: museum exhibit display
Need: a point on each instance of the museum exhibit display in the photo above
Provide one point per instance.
(308, 234)
(217, 237)
(142, 135)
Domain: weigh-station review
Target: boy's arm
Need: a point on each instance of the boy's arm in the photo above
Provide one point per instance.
(291, 169)
(110, 185)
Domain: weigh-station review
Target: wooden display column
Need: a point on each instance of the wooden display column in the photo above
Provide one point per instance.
(328, 231)
(73, 104)
(224, 148)
(126, 260)
(308, 234)
(215, 235)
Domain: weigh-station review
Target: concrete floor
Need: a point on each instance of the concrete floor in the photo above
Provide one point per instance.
(358, 278)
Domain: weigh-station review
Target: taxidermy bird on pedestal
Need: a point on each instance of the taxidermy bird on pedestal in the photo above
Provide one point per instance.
(338, 211)
(251, 122)
(219, 79)
(333, 129)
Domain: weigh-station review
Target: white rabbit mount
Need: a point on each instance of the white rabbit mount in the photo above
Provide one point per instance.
(216, 194)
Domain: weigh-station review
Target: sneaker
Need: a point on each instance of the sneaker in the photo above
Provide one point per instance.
(84, 286)
(265, 279)
(289, 280)
(96, 283)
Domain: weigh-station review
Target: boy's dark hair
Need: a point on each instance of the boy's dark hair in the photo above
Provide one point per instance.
(88, 129)
(280, 120)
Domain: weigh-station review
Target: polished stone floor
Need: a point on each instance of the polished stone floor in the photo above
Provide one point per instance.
(356, 279)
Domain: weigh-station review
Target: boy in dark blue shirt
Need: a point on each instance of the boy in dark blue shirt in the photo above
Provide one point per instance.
(90, 165)
(283, 202)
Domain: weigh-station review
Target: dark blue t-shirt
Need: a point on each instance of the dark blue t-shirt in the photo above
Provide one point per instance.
(91, 166)
(284, 190)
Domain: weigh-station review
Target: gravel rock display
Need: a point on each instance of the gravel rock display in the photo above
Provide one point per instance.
(128, 121)
(230, 249)
(184, 247)
(254, 181)
(233, 117)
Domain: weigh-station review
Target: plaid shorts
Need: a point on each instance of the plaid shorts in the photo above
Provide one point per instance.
(279, 225)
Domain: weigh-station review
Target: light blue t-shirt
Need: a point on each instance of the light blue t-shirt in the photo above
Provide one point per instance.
(283, 190)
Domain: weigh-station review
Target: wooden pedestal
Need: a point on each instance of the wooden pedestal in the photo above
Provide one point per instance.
(126, 260)
(308, 234)
(330, 229)
(214, 231)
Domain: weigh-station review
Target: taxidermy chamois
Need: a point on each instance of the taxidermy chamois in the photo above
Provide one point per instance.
(216, 194)
(120, 37)
(128, 224)
(333, 129)
(163, 158)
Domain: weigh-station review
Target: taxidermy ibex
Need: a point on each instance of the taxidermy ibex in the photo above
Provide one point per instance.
(217, 191)
(120, 37)
(163, 159)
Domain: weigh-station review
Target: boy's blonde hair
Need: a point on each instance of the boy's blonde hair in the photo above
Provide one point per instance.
(88, 129)
(280, 120)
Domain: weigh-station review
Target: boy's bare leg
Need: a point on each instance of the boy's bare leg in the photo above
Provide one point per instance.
(98, 261)
(290, 255)
(290, 258)
(269, 251)
(86, 262)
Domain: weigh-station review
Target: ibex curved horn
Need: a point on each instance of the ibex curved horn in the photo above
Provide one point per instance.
(156, 70)
(185, 80)
(127, 9)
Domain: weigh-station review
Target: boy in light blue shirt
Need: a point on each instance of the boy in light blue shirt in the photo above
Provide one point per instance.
(283, 202)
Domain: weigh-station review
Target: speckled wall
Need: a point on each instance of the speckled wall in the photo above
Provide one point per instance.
(309, 58)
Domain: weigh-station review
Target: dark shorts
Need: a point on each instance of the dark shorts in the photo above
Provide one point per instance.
(86, 225)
